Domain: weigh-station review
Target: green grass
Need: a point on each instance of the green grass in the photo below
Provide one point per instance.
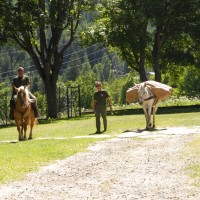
(193, 152)
(19, 158)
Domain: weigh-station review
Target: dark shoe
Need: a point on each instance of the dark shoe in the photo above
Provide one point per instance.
(37, 115)
(35, 109)
(11, 116)
(98, 132)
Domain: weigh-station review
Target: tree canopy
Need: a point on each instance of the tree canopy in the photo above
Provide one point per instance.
(143, 29)
(44, 29)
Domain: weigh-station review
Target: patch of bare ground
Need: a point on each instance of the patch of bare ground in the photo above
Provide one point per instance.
(123, 168)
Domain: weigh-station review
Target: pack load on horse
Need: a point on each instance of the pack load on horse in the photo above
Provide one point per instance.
(23, 112)
(148, 94)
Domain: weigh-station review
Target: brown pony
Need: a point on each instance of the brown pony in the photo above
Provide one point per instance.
(23, 112)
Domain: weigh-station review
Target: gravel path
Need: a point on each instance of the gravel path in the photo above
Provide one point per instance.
(117, 169)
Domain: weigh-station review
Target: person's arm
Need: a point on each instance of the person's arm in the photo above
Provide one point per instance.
(110, 104)
(27, 81)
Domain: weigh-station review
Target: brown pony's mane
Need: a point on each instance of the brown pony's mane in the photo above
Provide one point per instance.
(24, 89)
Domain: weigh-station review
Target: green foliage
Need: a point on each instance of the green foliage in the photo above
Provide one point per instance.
(118, 87)
(5, 94)
(38, 27)
(129, 26)
(190, 83)
(87, 83)
(147, 32)
(41, 102)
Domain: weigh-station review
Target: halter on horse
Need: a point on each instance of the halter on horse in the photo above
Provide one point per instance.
(23, 113)
(149, 103)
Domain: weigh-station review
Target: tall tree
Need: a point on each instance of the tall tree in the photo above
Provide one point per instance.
(121, 24)
(140, 28)
(38, 26)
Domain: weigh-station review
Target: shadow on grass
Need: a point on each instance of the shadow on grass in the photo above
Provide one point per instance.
(136, 111)
(161, 110)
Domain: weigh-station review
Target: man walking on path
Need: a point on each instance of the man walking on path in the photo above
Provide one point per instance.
(101, 98)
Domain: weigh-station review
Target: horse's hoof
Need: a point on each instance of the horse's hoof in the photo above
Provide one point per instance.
(30, 138)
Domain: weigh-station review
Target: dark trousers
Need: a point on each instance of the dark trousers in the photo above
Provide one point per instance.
(101, 110)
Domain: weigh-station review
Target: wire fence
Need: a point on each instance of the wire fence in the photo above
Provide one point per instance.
(68, 105)
(4, 109)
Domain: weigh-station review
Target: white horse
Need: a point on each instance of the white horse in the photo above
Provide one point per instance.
(149, 104)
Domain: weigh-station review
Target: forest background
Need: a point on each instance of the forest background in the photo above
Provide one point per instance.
(108, 48)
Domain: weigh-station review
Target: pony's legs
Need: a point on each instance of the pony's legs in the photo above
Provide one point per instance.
(25, 129)
(30, 135)
(31, 128)
(20, 131)
(148, 117)
(154, 113)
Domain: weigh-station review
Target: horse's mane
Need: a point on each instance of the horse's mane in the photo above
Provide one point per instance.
(25, 90)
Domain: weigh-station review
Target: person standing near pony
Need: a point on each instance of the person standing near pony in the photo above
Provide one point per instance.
(101, 98)
(22, 80)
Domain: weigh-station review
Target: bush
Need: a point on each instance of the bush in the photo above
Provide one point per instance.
(190, 83)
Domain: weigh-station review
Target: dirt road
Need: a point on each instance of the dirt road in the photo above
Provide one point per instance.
(123, 168)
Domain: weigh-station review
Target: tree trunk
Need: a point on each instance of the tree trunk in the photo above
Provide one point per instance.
(142, 61)
(51, 99)
(157, 69)
(49, 74)
(142, 74)
(156, 55)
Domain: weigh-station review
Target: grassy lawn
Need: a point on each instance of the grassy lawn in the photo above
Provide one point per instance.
(193, 152)
(19, 158)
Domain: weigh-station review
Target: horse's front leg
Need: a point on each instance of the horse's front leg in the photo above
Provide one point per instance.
(19, 129)
(149, 117)
(25, 130)
(30, 135)
(146, 117)
(20, 132)
(154, 110)
(154, 114)
(31, 129)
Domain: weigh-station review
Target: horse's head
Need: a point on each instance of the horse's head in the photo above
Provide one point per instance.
(22, 96)
(142, 93)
